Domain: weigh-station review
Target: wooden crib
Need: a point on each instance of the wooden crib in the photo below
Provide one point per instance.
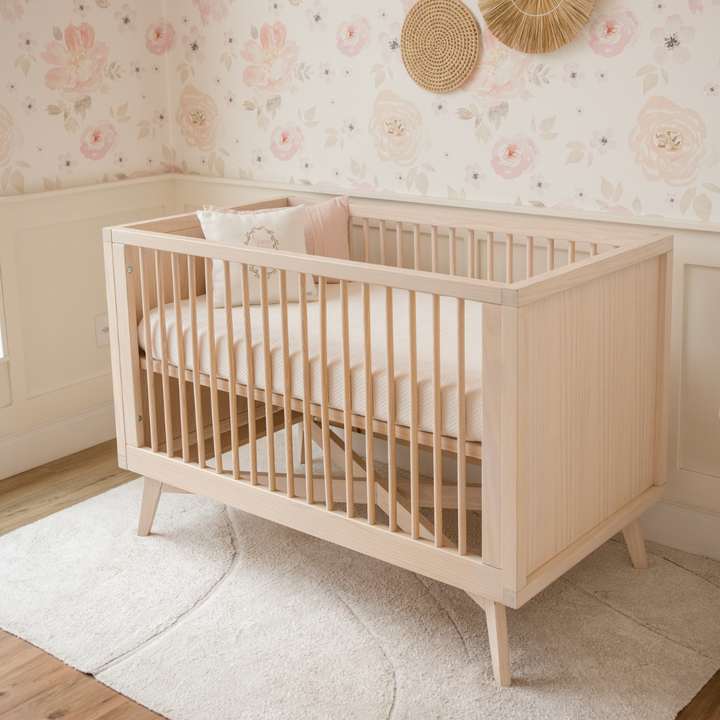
(574, 360)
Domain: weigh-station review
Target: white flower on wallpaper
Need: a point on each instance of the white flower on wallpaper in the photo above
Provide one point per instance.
(672, 41)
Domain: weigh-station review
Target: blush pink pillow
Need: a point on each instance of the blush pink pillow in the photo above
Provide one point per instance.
(326, 227)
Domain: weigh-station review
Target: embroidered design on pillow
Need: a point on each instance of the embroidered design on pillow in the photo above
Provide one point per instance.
(263, 238)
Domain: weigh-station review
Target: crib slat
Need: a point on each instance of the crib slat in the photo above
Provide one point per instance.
(347, 400)
(366, 239)
(267, 362)
(149, 374)
(437, 425)
(367, 366)
(491, 256)
(529, 257)
(571, 252)
(307, 417)
(434, 247)
(383, 249)
(416, 246)
(414, 469)
(471, 254)
(399, 244)
(197, 394)
(287, 387)
(214, 406)
(250, 364)
(390, 356)
(550, 254)
(452, 250)
(324, 405)
(182, 389)
(461, 463)
(350, 236)
(509, 259)
(232, 375)
(160, 281)
(593, 249)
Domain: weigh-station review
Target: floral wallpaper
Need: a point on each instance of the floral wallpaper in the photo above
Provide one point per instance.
(83, 95)
(624, 120)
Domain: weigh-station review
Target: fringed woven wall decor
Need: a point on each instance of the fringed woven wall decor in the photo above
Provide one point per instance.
(440, 43)
(536, 26)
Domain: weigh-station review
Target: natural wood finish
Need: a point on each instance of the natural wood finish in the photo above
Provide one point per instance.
(150, 377)
(325, 418)
(414, 466)
(490, 256)
(197, 387)
(250, 366)
(471, 254)
(167, 409)
(267, 367)
(498, 635)
(367, 371)
(706, 704)
(636, 545)
(347, 399)
(212, 380)
(461, 458)
(184, 430)
(437, 422)
(152, 489)
(287, 407)
(232, 397)
(662, 398)
(390, 377)
(509, 257)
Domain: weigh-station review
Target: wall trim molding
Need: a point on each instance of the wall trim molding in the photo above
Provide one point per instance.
(683, 528)
(41, 444)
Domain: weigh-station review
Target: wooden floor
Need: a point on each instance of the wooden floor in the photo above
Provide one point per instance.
(37, 686)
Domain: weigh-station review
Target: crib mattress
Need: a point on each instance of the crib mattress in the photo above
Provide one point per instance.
(448, 353)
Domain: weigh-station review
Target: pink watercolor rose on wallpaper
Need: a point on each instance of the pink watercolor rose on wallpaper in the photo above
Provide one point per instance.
(198, 119)
(500, 74)
(286, 141)
(511, 157)
(272, 60)
(80, 63)
(396, 127)
(611, 34)
(10, 137)
(670, 143)
(160, 37)
(97, 141)
(217, 9)
(11, 10)
(353, 35)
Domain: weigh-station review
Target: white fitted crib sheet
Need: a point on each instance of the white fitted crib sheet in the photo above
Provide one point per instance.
(448, 353)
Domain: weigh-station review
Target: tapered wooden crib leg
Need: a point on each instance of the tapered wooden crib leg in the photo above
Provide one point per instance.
(498, 636)
(152, 489)
(636, 545)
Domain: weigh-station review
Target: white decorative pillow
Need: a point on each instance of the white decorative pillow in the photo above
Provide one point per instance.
(279, 229)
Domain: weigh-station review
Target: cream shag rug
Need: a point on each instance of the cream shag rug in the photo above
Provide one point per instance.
(221, 615)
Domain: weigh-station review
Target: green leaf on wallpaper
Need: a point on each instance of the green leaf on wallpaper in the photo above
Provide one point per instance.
(354, 167)
(25, 66)
(5, 177)
(533, 127)
(122, 110)
(224, 152)
(428, 167)
(273, 104)
(167, 154)
(649, 82)
(618, 192)
(48, 184)
(637, 205)
(465, 114)
(72, 125)
(53, 109)
(645, 70)
(57, 33)
(331, 131)
(452, 194)
(249, 105)
(144, 132)
(305, 181)
(379, 78)
(253, 32)
(296, 2)
(18, 181)
(712, 187)
(664, 74)
(363, 170)
(332, 140)
(606, 188)
(410, 177)
(23, 164)
(390, 72)
(687, 197)
(377, 68)
(575, 157)
(104, 4)
(422, 183)
(576, 144)
(548, 135)
(475, 109)
(537, 203)
(82, 106)
(601, 203)
(483, 133)
(590, 159)
(498, 113)
(548, 124)
(220, 166)
(702, 206)
(310, 114)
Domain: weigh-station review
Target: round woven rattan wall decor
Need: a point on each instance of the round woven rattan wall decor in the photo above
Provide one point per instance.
(535, 26)
(440, 43)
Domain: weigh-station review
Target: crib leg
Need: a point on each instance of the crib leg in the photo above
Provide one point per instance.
(498, 635)
(636, 545)
(152, 489)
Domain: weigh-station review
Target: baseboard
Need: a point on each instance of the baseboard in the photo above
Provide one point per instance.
(51, 441)
(683, 528)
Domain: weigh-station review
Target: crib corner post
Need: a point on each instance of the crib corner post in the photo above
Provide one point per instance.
(152, 489)
(636, 545)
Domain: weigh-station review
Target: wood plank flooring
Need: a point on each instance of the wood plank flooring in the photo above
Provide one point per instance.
(37, 686)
